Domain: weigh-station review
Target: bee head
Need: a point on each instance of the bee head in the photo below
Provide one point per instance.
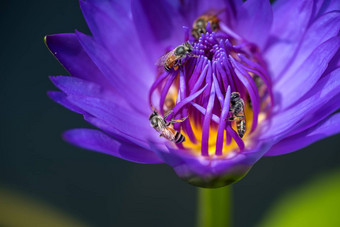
(154, 113)
(195, 33)
(180, 50)
(235, 96)
(154, 119)
(154, 122)
(214, 26)
(188, 47)
(200, 23)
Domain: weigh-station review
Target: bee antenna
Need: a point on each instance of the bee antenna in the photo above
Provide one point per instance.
(193, 55)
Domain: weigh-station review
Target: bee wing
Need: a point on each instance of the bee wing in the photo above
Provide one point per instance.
(169, 133)
(162, 60)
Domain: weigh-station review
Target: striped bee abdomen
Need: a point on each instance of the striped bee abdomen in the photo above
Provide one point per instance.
(241, 127)
(179, 138)
(167, 68)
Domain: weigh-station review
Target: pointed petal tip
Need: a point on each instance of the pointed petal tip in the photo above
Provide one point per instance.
(54, 79)
(51, 94)
(97, 140)
(47, 39)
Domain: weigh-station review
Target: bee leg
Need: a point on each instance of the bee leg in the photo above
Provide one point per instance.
(239, 117)
(183, 119)
(160, 135)
(167, 114)
(230, 118)
(193, 55)
(178, 63)
(178, 121)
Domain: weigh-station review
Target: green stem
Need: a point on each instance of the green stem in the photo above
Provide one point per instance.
(214, 207)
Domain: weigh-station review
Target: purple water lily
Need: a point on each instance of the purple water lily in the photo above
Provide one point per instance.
(281, 60)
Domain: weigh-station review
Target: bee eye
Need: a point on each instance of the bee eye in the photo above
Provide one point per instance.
(180, 50)
(200, 23)
(214, 26)
(154, 121)
(234, 95)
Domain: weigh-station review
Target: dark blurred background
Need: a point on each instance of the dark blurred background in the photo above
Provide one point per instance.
(97, 189)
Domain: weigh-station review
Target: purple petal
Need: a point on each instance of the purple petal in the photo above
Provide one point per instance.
(67, 49)
(105, 24)
(314, 118)
(73, 85)
(319, 115)
(294, 85)
(61, 98)
(290, 21)
(107, 127)
(333, 64)
(325, 6)
(158, 26)
(76, 86)
(109, 65)
(124, 122)
(321, 94)
(229, 7)
(131, 87)
(290, 18)
(254, 20)
(215, 5)
(328, 127)
(111, 7)
(188, 9)
(213, 171)
(320, 31)
(96, 140)
(317, 6)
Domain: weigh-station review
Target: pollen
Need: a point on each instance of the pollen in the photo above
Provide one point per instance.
(219, 82)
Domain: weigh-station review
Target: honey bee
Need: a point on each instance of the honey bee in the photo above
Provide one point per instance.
(200, 24)
(236, 110)
(165, 127)
(173, 58)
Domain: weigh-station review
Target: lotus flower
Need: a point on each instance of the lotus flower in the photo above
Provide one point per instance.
(281, 60)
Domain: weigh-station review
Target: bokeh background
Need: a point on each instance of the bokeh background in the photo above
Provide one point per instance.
(96, 189)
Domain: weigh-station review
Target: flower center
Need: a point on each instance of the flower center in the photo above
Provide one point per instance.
(220, 82)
